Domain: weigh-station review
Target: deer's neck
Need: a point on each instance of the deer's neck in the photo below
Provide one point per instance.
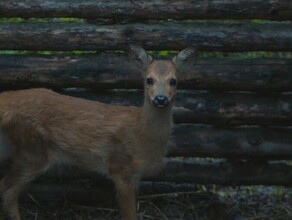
(153, 132)
(157, 121)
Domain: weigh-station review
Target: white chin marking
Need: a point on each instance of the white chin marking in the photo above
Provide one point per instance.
(160, 106)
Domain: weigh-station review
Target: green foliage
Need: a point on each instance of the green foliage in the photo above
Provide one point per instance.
(42, 19)
(45, 52)
(12, 19)
(280, 191)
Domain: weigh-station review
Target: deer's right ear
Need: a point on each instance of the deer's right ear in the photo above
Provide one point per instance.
(181, 61)
(139, 56)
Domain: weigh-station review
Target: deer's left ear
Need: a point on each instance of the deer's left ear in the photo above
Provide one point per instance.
(181, 60)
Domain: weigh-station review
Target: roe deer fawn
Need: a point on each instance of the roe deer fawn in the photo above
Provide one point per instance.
(40, 128)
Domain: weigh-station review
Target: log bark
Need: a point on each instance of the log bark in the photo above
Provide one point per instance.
(262, 75)
(233, 109)
(255, 143)
(113, 70)
(104, 71)
(153, 9)
(220, 109)
(198, 171)
(169, 35)
(230, 173)
(92, 192)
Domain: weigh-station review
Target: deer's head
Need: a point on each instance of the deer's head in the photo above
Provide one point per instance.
(160, 76)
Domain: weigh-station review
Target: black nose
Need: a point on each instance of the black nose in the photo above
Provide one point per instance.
(161, 100)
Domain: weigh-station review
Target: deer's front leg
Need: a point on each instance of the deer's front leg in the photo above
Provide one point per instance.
(125, 183)
(126, 193)
(125, 176)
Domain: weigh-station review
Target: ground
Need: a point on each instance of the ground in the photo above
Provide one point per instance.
(206, 203)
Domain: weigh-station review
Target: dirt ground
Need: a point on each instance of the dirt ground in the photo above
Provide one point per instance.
(207, 203)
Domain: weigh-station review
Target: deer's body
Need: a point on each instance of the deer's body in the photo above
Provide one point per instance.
(40, 128)
(80, 131)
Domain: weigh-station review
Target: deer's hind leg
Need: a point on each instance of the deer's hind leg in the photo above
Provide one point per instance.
(18, 176)
(29, 157)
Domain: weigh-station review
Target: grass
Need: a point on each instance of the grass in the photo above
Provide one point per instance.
(224, 203)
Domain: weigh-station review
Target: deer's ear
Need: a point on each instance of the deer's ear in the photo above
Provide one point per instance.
(139, 57)
(181, 60)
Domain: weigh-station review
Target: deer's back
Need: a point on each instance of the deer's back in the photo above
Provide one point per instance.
(42, 120)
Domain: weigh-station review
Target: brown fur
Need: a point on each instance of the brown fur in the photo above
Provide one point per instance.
(40, 128)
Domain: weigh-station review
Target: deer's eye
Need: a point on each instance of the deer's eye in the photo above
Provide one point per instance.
(149, 81)
(172, 82)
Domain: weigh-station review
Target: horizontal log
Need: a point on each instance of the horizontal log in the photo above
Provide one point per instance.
(92, 191)
(221, 109)
(261, 74)
(153, 9)
(230, 173)
(202, 172)
(106, 70)
(256, 143)
(169, 35)
(113, 70)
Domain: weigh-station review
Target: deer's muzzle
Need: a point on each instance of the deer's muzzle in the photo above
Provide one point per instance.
(160, 101)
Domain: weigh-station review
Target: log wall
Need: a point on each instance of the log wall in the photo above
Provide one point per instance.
(152, 9)
(153, 35)
(233, 113)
